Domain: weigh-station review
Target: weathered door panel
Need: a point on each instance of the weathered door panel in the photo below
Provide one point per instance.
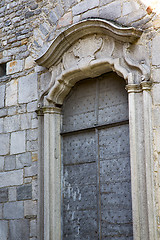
(73, 145)
(114, 142)
(81, 225)
(113, 103)
(96, 161)
(80, 187)
(79, 107)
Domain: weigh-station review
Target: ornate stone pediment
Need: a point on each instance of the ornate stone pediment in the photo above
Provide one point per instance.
(89, 49)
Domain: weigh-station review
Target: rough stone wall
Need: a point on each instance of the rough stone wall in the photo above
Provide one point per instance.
(27, 27)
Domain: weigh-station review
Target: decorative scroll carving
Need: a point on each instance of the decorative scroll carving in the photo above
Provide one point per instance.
(87, 59)
(69, 59)
(85, 49)
(140, 64)
(93, 54)
(107, 48)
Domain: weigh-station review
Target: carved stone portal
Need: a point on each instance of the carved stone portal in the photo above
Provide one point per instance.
(87, 50)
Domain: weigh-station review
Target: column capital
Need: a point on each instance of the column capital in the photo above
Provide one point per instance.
(146, 85)
(136, 88)
(48, 110)
(133, 88)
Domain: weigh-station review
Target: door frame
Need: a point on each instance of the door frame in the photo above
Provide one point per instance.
(97, 130)
(89, 49)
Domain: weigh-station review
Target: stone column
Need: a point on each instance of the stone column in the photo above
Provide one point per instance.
(51, 178)
(40, 217)
(149, 162)
(137, 158)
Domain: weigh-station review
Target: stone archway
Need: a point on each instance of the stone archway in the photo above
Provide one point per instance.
(89, 49)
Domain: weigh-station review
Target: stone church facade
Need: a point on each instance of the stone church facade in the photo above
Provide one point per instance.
(79, 119)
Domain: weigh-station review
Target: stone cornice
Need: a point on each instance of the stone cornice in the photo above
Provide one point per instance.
(133, 88)
(146, 85)
(48, 110)
(136, 88)
(86, 27)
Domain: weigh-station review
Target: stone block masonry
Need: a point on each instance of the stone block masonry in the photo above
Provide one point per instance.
(4, 230)
(13, 210)
(18, 142)
(84, 6)
(28, 88)
(1, 163)
(11, 178)
(19, 229)
(11, 93)
(4, 143)
(2, 94)
(23, 160)
(30, 209)
(111, 11)
(10, 162)
(3, 195)
(27, 28)
(24, 192)
(15, 66)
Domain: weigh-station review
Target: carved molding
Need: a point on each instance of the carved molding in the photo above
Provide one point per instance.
(141, 64)
(86, 27)
(48, 110)
(89, 49)
(136, 88)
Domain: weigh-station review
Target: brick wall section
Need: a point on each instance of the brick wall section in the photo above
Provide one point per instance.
(27, 27)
